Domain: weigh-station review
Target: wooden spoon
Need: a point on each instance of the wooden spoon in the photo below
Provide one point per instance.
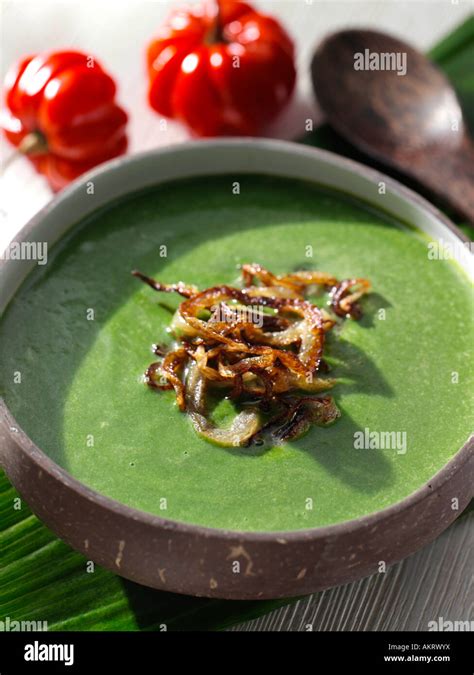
(411, 121)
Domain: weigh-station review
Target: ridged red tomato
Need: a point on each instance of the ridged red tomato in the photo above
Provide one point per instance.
(62, 114)
(227, 74)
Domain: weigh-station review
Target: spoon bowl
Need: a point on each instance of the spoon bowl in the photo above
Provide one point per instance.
(391, 102)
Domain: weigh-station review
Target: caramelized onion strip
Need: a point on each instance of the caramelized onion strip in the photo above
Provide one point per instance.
(343, 303)
(245, 424)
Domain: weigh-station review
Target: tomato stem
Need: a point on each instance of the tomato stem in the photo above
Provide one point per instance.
(32, 144)
(215, 33)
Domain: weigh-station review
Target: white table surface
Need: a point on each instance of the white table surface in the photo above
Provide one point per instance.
(117, 31)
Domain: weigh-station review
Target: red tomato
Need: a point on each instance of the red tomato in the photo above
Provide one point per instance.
(62, 114)
(227, 74)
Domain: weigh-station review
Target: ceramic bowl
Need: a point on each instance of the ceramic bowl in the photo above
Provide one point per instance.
(197, 560)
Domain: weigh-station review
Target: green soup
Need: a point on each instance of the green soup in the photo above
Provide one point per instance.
(80, 329)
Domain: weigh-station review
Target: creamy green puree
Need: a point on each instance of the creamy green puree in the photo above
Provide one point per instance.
(80, 331)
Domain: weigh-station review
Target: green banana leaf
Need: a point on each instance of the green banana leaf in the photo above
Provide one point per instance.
(43, 579)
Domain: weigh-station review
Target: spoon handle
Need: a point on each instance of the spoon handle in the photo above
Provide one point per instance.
(450, 174)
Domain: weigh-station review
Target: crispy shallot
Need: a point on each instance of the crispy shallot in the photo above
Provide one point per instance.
(261, 346)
